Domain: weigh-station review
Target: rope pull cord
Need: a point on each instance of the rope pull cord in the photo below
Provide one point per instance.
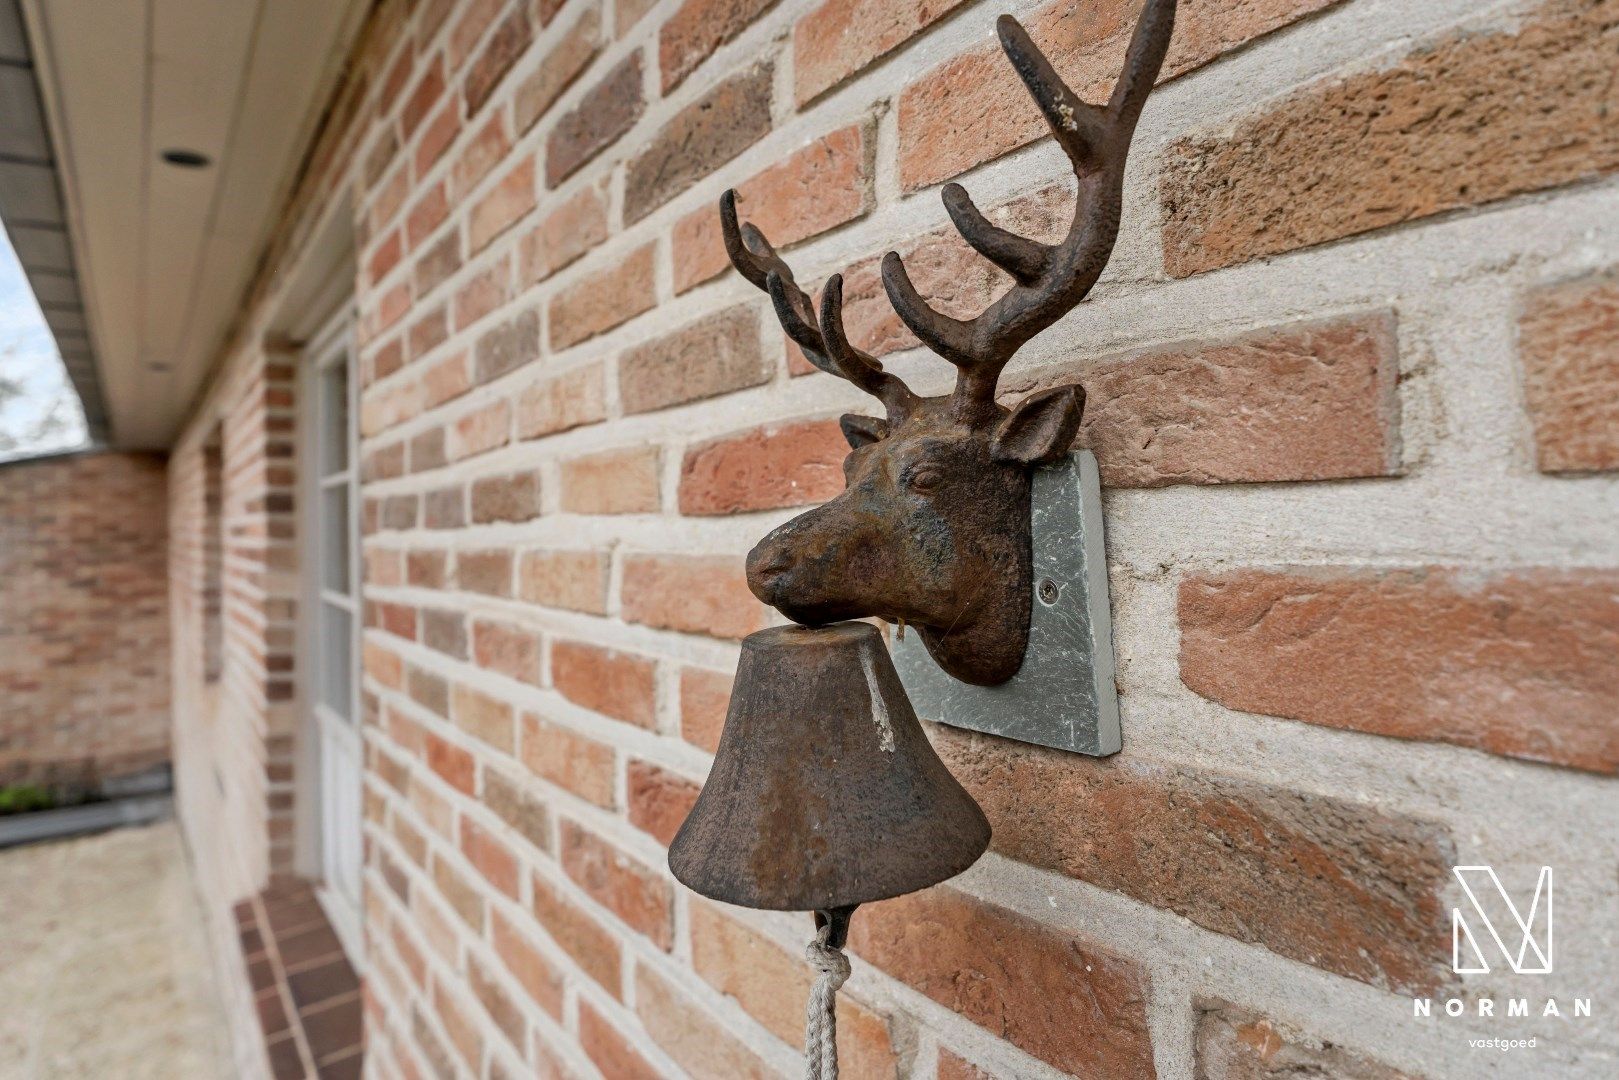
(825, 955)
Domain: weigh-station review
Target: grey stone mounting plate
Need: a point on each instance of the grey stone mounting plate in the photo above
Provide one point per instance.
(1063, 696)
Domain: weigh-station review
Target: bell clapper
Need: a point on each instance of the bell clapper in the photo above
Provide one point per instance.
(825, 955)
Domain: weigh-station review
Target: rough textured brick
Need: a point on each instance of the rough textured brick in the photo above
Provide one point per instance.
(690, 1035)
(714, 355)
(1060, 998)
(840, 37)
(499, 52)
(952, 1067)
(488, 571)
(1233, 1043)
(606, 112)
(508, 800)
(696, 29)
(427, 450)
(1341, 885)
(712, 130)
(511, 197)
(506, 648)
(536, 974)
(698, 594)
(464, 898)
(1522, 663)
(384, 257)
(567, 58)
(615, 684)
(427, 92)
(425, 569)
(658, 799)
(489, 857)
(618, 883)
(428, 332)
(446, 380)
(438, 136)
(473, 18)
(564, 234)
(1302, 402)
(612, 482)
(973, 108)
(483, 717)
(507, 347)
(609, 1049)
(1568, 338)
(817, 188)
(603, 300)
(479, 431)
(575, 580)
(452, 763)
(570, 760)
(705, 696)
(562, 402)
(427, 213)
(592, 947)
(445, 631)
(772, 985)
(515, 497)
(444, 508)
(1463, 120)
(764, 469)
(482, 294)
(486, 150)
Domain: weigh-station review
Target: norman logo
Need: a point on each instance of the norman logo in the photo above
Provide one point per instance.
(1492, 910)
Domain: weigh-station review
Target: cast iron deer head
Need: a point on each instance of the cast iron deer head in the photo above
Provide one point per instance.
(933, 525)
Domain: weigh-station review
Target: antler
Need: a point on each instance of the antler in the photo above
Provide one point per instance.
(1049, 280)
(821, 337)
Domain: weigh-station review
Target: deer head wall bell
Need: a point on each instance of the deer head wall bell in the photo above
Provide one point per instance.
(933, 525)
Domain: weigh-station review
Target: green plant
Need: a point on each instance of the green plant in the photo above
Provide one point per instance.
(24, 798)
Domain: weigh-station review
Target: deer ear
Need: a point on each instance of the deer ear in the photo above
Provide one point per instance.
(862, 430)
(1041, 428)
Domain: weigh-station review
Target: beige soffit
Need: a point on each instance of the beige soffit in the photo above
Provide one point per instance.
(164, 254)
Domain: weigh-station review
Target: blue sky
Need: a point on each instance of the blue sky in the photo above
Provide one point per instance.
(29, 363)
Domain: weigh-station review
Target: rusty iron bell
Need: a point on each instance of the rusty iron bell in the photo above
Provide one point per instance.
(825, 793)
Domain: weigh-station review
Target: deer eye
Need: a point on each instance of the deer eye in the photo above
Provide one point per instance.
(925, 479)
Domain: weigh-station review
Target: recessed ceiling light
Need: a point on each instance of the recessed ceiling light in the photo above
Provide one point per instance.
(187, 159)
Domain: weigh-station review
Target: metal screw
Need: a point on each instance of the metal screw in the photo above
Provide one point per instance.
(1048, 591)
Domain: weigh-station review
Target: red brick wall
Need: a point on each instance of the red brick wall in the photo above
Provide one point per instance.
(1350, 387)
(84, 627)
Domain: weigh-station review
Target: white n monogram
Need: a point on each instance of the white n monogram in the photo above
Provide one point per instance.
(1481, 884)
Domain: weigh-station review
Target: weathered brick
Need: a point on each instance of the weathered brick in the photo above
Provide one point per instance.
(612, 482)
(973, 108)
(609, 1049)
(1061, 998)
(497, 1005)
(445, 631)
(567, 58)
(696, 29)
(590, 944)
(507, 347)
(452, 763)
(473, 18)
(1567, 339)
(446, 380)
(428, 332)
(425, 569)
(841, 37)
(1315, 401)
(1462, 120)
(712, 130)
(486, 150)
(479, 431)
(513, 497)
(716, 354)
(427, 213)
(1522, 663)
(430, 691)
(507, 799)
(616, 684)
(705, 697)
(483, 717)
(658, 799)
(482, 294)
(603, 300)
(488, 571)
(528, 965)
(562, 402)
(1342, 885)
(951, 1067)
(618, 883)
(1233, 1043)
(426, 93)
(444, 508)
(697, 594)
(690, 1035)
(489, 857)
(385, 256)
(464, 898)
(499, 53)
(397, 619)
(506, 648)
(565, 233)
(570, 760)
(606, 112)
(438, 136)
(575, 580)
(384, 463)
(817, 188)
(427, 450)
(511, 197)
(772, 985)
(764, 469)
